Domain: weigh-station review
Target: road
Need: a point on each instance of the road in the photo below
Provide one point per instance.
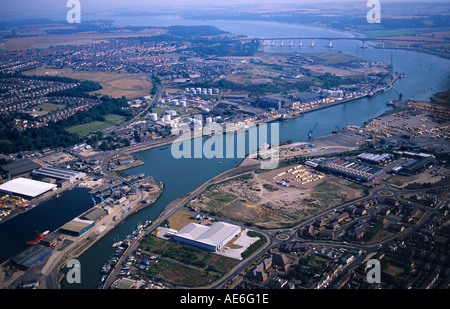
(249, 166)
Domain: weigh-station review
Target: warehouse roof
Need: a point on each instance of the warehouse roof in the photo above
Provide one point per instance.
(31, 255)
(19, 167)
(76, 225)
(208, 235)
(93, 214)
(27, 187)
(59, 173)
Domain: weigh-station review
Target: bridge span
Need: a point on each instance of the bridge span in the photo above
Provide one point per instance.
(299, 41)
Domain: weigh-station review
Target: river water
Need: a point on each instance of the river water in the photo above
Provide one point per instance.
(424, 76)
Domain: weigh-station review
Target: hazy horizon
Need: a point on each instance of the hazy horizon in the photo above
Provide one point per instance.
(102, 9)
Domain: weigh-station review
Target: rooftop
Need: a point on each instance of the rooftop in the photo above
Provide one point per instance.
(26, 187)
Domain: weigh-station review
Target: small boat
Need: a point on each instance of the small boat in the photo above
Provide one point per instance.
(387, 88)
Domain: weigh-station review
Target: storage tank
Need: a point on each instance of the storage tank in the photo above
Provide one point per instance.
(171, 112)
(154, 117)
(167, 118)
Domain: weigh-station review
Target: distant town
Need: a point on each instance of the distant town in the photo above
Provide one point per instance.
(75, 115)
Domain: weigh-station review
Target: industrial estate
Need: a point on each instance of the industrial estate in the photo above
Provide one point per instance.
(334, 202)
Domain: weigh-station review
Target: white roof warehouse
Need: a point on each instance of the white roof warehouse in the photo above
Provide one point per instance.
(208, 238)
(26, 187)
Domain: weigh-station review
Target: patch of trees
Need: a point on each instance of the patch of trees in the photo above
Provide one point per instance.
(226, 47)
(13, 140)
(276, 86)
(373, 230)
(194, 31)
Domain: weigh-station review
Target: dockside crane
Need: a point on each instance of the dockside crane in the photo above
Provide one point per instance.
(93, 200)
(400, 95)
(310, 133)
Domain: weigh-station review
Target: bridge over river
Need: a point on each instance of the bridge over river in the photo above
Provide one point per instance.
(409, 42)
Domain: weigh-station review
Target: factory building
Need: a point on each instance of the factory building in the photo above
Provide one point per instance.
(19, 167)
(353, 169)
(269, 102)
(26, 187)
(93, 214)
(59, 173)
(373, 158)
(415, 166)
(207, 238)
(77, 227)
(31, 256)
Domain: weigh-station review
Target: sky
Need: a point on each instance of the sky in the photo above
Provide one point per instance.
(22, 9)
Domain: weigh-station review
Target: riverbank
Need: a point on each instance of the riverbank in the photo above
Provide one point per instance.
(172, 139)
(49, 271)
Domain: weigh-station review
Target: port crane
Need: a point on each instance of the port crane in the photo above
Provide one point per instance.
(93, 200)
(400, 95)
(310, 133)
(101, 194)
(336, 129)
(112, 190)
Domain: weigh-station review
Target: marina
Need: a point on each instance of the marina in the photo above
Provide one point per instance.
(120, 249)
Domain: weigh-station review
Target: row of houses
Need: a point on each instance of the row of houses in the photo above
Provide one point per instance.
(261, 271)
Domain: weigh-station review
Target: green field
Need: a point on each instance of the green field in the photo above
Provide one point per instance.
(50, 107)
(94, 126)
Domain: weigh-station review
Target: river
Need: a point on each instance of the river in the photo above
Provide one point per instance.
(424, 75)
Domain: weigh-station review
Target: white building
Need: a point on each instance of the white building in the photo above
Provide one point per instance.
(26, 187)
(208, 238)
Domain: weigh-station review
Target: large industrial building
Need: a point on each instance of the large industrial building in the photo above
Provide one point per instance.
(19, 167)
(26, 187)
(59, 173)
(374, 158)
(77, 227)
(353, 169)
(415, 166)
(208, 238)
(31, 256)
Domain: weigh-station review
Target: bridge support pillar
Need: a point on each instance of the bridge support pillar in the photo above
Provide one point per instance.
(330, 45)
(301, 43)
(312, 43)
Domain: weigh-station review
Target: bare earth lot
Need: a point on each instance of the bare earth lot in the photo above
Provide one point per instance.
(261, 201)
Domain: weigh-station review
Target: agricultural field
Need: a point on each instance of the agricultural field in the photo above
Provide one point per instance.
(115, 84)
(45, 41)
(268, 201)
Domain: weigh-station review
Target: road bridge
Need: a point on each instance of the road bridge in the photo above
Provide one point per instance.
(299, 41)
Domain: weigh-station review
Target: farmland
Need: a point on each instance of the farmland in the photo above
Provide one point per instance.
(115, 84)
